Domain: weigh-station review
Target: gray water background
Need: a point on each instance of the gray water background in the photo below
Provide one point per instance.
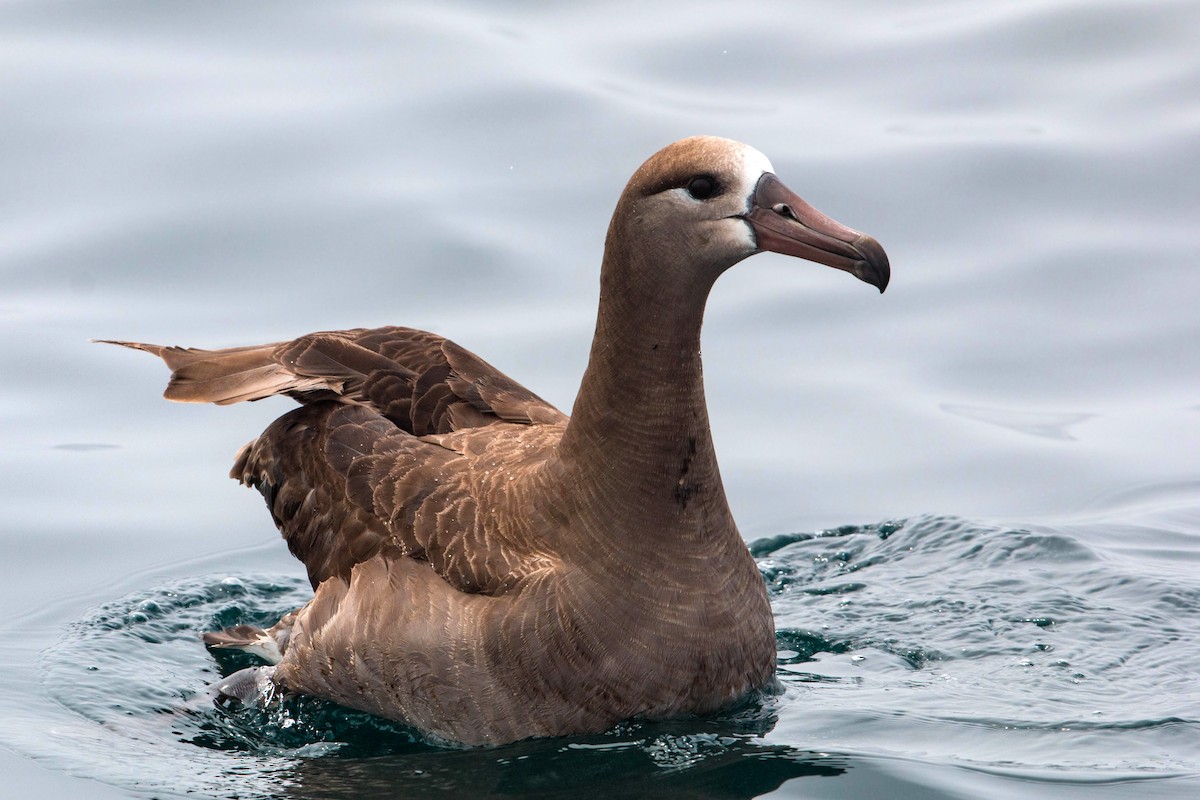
(224, 173)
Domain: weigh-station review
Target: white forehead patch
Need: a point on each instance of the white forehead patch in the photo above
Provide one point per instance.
(754, 164)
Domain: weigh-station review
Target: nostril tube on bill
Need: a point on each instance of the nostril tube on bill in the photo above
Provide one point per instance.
(785, 210)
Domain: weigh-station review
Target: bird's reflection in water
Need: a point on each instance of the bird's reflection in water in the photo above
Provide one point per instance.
(723, 756)
(665, 765)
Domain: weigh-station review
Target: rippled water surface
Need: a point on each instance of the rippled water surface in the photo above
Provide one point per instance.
(975, 499)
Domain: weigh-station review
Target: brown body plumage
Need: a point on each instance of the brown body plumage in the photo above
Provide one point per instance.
(486, 569)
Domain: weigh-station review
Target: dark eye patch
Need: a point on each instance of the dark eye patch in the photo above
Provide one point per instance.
(700, 187)
(703, 187)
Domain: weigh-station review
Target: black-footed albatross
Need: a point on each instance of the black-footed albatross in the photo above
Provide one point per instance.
(487, 569)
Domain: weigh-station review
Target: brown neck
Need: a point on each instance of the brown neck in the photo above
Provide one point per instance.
(638, 443)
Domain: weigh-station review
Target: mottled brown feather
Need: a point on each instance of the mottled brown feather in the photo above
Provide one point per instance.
(342, 480)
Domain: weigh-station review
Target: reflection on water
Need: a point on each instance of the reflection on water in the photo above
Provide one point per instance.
(724, 769)
(1047, 424)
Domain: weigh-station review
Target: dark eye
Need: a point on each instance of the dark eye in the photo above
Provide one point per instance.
(702, 187)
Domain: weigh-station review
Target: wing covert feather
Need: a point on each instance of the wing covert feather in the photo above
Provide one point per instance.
(343, 482)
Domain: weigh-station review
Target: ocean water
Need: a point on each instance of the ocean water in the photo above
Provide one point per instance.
(975, 499)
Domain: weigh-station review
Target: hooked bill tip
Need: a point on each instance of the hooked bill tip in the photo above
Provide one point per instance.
(874, 268)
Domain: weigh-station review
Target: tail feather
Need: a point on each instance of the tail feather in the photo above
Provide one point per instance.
(227, 376)
(269, 645)
(248, 687)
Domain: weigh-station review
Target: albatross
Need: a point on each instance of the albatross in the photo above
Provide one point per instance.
(486, 568)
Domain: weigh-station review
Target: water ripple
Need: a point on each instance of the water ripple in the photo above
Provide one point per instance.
(1036, 630)
(943, 615)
